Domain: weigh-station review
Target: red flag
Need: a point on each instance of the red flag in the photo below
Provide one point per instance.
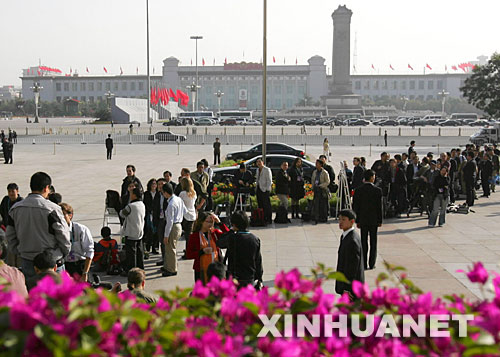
(88, 70)
(373, 67)
(152, 99)
(454, 68)
(121, 70)
(167, 98)
(105, 70)
(296, 61)
(274, 59)
(391, 67)
(427, 65)
(38, 71)
(183, 97)
(410, 67)
(225, 60)
(137, 70)
(70, 70)
(172, 95)
(203, 61)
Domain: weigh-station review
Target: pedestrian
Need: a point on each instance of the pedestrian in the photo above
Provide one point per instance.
(496, 166)
(133, 230)
(82, 246)
(131, 129)
(14, 136)
(160, 204)
(36, 224)
(10, 152)
(200, 194)
(411, 149)
(5, 150)
(243, 251)
(469, 175)
(398, 196)
(367, 204)
(331, 174)
(129, 179)
(109, 147)
(486, 174)
(8, 201)
(350, 254)
(216, 147)
(441, 187)
(173, 229)
(264, 183)
(202, 245)
(283, 184)
(358, 173)
(149, 227)
(188, 196)
(210, 186)
(15, 279)
(297, 190)
(167, 175)
(385, 137)
(203, 179)
(326, 149)
(2, 136)
(320, 182)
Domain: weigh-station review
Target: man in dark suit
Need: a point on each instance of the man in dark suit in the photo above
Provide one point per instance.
(367, 203)
(160, 204)
(357, 174)
(109, 147)
(350, 254)
(470, 171)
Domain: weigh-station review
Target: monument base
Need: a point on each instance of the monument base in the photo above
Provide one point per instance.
(342, 103)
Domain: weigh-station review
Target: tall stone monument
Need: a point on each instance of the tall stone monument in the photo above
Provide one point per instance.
(341, 97)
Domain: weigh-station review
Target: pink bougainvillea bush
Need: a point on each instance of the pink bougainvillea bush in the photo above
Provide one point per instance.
(72, 319)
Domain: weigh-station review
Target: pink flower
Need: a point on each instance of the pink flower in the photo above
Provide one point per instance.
(478, 274)
(361, 290)
(200, 291)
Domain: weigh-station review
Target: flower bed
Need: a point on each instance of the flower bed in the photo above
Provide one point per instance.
(71, 319)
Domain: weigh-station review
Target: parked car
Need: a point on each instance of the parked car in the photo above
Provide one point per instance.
(167, 136)
(293, 121)
(479, 122)
(388, 122)
(271, 148)
(252, 122)
(173, 123)
(450, 122)
(356, 122)
(273, 161)
(228, 122)
(204, 122)
(280, 122)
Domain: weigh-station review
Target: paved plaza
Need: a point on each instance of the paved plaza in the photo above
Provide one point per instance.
(82, 174)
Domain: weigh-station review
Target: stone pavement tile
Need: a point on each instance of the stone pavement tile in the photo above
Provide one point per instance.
(494, 246)
(401, 260)
(450, 258)
(305, 262)
(440, 287)
(484, 258)
(394, 251)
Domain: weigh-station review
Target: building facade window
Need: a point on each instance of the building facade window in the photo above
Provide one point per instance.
(430, 97)
(403, 85)
(58, 87)
(99, 86)
(74, 87)
(375, 86)
(91, 99)
(66, 87)
(277, 89)
(141, 86)
(421, 85)
(115, 86)
(394, 85)
(440, 84)
(412, 85)
(430, 85)
(82, 87)
(367, 85)
(124, 85)
(132, 85)
(83, 99)
(289, 89)
(91, 86)
(58, 99)
(357, 85)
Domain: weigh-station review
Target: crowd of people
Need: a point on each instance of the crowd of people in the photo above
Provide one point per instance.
(42, 238)
(8, 142)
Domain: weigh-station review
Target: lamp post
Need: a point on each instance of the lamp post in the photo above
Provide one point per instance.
(194, 89)
(150, 120)
(196, 38)
(405, 101)
(264, 83)
(219, 95)
(443, 94)
(108, 96)
(36, 90)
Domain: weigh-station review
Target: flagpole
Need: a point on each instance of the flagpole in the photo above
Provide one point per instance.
(147, 56)
(264, 85)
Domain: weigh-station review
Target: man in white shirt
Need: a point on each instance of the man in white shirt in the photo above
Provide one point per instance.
(133, 230)
(173, 229)
(264, 183)
(82, 246)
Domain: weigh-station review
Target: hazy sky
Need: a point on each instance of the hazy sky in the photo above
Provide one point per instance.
(111, 33)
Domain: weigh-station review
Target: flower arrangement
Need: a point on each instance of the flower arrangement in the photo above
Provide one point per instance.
(71, 319)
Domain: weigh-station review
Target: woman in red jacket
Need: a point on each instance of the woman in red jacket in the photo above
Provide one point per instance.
(202, 244)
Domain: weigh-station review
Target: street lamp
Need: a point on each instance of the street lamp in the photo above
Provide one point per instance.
(219, 95)
(194, 89)
(150, 120)
(196, 38)
(108, 96)
(36, 90)
(405, 101)
(443, 94)
(264, 83)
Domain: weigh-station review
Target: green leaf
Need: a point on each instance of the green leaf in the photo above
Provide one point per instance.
(302, 304)
(482, 350)
(141, 317)
(336, 275)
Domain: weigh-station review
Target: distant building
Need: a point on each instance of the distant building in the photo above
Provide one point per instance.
(241, 84)
(9, 93)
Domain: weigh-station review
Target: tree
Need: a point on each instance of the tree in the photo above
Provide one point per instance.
(482, 88)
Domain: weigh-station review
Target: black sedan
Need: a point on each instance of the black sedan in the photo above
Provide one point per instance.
(450, 122)
(271, 148)
(279, 122)
(173, 123)
(167, 136)
(272, 161)
(388, 122)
